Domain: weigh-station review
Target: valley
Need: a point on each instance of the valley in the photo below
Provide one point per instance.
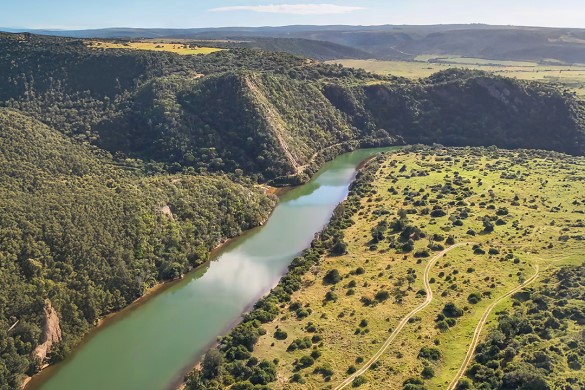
(126, 163)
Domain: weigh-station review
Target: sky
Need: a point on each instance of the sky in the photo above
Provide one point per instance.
(82, 14)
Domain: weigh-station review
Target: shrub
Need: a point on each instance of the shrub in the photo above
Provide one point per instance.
(297, 378)
(315, 354)
(421, 253)
(332, 277)
(357, 382)
(338, 248)
(324, 370)
(280, 334)
(429, 353)
(413, 384)
(479, 251)
(305, 361)
(442, 326)
(452, 311)
(464, 384)
(330, 296)
(493, 251)
(303, 343)
(437, 213)
(474, 298)
(382, 296)
(428, 372)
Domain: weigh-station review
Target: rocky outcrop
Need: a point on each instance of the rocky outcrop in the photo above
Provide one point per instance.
(51, 333)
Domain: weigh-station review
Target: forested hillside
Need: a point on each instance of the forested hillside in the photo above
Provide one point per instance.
(92, 237)
(267, 114)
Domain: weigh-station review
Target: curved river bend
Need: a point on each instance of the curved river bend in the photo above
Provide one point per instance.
(151, 345)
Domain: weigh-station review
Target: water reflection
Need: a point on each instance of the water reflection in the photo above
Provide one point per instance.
(148, 347)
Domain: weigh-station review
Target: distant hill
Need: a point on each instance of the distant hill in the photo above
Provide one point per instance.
(318, 50)
(387, 42)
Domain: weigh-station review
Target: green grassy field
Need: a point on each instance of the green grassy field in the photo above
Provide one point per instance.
(530, 200)
(177, 48)
(571, 76)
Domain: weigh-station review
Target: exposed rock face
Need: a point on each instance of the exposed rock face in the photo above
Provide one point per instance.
(51, 333)
(166, 210)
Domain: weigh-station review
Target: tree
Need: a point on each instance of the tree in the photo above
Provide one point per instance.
(210, 367)
(524, 377)
(339, 247)
(488, 225)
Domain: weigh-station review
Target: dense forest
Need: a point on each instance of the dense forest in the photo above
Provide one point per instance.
(121, 168)
(91, 236)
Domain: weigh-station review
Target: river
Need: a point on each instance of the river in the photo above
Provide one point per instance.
(151, 345)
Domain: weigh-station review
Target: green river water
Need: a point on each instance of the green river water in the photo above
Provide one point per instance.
(151, 345)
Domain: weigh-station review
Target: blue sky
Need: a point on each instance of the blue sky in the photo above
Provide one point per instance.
(80, 14)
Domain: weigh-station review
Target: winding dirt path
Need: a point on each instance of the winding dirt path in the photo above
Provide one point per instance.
(404, 321)
(479, 329)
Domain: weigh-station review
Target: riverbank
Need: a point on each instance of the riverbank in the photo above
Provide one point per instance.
(265, 308)
(147, 348)
(30, 383)
(400, 292)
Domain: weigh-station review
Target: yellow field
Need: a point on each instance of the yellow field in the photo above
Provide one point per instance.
(572, 76)
(535, 200)
(177, 48)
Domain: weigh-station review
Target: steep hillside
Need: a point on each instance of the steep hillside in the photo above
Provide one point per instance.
(265, 124)
(88, 237)
(461, 108)
(271, 116)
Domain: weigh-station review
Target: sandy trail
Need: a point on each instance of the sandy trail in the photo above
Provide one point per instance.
(479, 329)
(404, 321)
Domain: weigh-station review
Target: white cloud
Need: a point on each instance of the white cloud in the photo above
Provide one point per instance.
(296, 9)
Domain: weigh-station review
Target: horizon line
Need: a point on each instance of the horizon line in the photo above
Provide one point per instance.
(59, 29)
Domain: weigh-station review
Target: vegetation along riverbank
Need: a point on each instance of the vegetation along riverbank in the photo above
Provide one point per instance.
(436, 251)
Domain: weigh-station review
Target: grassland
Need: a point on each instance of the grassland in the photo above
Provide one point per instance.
(177, 48)
(422, 203)
(570, 76)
